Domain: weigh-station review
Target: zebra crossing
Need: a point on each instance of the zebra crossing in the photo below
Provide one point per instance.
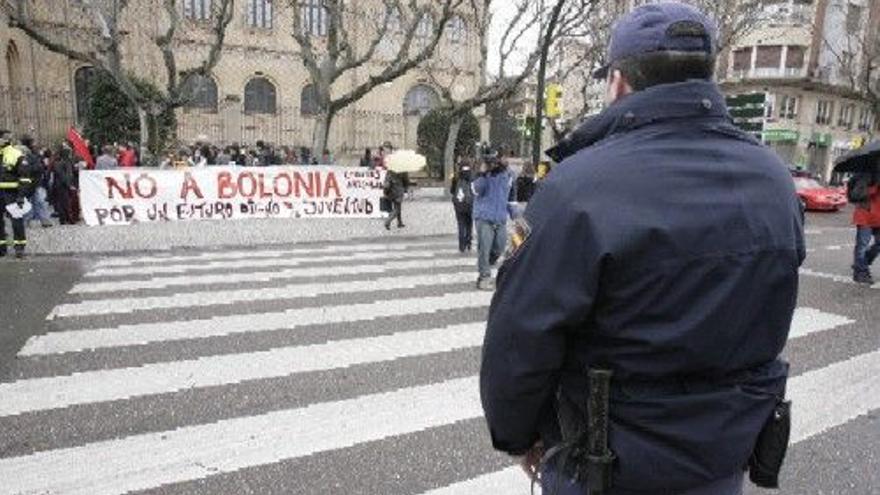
(346, 369)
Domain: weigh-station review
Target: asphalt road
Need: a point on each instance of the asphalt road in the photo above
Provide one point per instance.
(337, 368)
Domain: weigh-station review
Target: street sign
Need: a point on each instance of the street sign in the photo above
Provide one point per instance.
(781, 136)
(748, 112)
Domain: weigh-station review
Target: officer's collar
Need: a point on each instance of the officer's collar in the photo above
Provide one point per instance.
(691, 99)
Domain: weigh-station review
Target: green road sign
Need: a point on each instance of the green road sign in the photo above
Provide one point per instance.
(781, 136)
(747, 112)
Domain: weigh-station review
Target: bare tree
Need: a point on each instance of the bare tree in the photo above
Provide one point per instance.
(580, 50)
(98, 39)
(331, 46)
(856, 54)
(735, 19)
(568, 19)
(591, 34)
(504, 83)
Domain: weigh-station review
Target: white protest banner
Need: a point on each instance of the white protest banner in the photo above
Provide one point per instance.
(126, 196)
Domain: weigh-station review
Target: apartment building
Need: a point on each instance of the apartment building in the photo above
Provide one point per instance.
(809, 57)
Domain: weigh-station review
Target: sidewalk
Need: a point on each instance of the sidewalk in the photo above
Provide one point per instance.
(428, 215)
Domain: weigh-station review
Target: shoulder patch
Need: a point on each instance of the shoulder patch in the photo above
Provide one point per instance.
(519, 233)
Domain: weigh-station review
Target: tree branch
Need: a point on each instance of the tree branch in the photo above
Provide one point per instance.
(402, 65)
(18, 19)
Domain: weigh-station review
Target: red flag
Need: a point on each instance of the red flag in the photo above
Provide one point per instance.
(80, 147)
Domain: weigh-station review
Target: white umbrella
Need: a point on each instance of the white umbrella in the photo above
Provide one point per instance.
(405, 161)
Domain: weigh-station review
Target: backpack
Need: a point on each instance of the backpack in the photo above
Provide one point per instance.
(464, 194)
(857, 189)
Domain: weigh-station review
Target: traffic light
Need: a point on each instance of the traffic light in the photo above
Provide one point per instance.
(553, 101)
(527, 126)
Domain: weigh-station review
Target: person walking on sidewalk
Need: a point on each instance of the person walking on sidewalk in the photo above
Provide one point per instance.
(395, 189)
(463, 201)
(491, 195)
(866, 218)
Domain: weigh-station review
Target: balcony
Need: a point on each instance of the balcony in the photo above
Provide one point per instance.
(769, 73)
(788, 15)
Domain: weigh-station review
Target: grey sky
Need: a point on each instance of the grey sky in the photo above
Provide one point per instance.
(502, 16)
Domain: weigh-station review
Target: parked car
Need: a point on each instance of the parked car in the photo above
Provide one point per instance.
(817, 197)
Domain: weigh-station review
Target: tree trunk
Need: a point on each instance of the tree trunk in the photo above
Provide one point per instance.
(455, 122)
(322, 132)
(144, 122)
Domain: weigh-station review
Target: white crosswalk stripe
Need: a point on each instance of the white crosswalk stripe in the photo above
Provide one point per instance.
(210, 298)
(200, 353)
(144, 333)
(261, 263)
(808, 321)
(255, 254)
(148, 461)
(806, 272)
(377, 267)
(107, 385)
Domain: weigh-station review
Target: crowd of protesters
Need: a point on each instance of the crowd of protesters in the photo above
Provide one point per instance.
(260, 155)
(206, 155)
(54, 170)
(53, 179)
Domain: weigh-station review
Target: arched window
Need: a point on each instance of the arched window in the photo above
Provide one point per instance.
(82, 85)
(457, 30)
(13, 66)
(197, 10)
(200, 92)
(259, 96)
(13, 74)
(309, 103)
(420, 100)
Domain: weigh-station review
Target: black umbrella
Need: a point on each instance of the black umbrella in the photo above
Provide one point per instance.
(862, 160)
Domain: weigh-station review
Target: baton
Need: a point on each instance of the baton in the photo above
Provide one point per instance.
(599, 455)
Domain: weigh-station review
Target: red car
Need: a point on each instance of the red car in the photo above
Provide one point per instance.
(818, 197)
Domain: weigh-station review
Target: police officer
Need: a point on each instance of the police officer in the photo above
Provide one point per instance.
(14, 188)
(665, 248)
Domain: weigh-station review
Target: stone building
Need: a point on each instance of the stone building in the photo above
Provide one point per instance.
(806, 56)
(258, 91)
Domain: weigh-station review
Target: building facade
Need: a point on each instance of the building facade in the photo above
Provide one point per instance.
(260, 88)
(809, 58)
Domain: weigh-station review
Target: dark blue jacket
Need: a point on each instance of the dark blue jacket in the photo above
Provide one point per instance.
(665, 247)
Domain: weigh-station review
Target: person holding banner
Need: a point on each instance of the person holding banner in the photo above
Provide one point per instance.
(65, 186)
